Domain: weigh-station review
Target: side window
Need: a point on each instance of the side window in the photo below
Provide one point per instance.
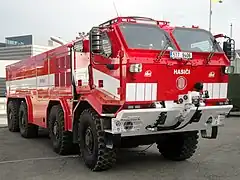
(78, 47)
(106, 45)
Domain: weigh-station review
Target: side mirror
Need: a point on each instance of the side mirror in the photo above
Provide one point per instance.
(95, 37)
(229, 49)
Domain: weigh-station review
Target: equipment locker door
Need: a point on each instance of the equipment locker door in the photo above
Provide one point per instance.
(40, 100)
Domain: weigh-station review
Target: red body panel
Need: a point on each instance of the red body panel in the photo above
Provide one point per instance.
(38, 73)
(163, 73)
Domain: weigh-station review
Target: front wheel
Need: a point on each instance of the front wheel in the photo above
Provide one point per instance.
(93, 148)
(178, 146)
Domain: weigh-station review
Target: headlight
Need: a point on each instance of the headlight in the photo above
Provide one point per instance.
(229, 69)
(135, 68)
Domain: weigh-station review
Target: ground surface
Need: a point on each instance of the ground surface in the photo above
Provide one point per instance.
(33, 159)
(3, 120)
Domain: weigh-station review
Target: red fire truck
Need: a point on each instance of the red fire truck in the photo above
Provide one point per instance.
(131, 81)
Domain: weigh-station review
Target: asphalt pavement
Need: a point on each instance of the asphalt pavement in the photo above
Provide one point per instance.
(3, 121)
(33, 159)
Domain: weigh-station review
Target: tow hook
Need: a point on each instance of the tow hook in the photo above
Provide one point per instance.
(213, 135)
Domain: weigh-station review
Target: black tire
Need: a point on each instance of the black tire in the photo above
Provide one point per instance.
(62, 140)
(27, 130)
(98, 157)
(178, 146)
(12, 116)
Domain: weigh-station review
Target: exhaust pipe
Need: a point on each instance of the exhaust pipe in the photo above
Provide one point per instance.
(58, 40)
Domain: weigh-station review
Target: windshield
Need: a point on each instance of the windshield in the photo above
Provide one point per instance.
(145, 36)
(195, 40)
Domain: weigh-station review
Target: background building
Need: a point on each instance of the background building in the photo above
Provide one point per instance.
(19, 40)
(17, 48)
(2, 44)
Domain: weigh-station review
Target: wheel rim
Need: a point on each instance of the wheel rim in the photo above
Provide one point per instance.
(10, 116)
(56, 130)
(23, 121)
(89, 140)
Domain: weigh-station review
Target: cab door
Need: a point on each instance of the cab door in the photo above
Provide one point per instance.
(105, 65)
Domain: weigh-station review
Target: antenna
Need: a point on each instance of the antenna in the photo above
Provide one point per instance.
(115, 8)
(231, 30)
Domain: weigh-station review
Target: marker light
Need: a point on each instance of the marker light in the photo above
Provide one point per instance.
(229, 70)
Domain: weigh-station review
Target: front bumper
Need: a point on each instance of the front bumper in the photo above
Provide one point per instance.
(134, 122)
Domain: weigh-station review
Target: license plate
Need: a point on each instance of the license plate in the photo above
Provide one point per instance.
(180, 55)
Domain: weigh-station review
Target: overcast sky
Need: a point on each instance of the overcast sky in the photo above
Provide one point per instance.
(65, 18)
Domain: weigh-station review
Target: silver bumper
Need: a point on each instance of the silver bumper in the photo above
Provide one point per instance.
(139, 119)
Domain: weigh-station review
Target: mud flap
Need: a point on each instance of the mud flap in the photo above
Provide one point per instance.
(213, 135)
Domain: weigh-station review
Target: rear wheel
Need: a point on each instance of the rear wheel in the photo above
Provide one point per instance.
(178, 146)
(61, 139)
(27, 130)
(95, 154)
(12, 116)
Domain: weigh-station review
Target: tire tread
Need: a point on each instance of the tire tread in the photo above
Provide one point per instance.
(31, 130)
(66, 145)
(106, 157)
(170, 150)
(13, 125)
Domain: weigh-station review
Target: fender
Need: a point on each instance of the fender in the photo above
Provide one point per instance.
(96, 99)
(91, 101)
(67, 114)
(29, 108)
(83, 103)
(88, 100)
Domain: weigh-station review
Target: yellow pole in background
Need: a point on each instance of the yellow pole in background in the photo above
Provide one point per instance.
(210, 12)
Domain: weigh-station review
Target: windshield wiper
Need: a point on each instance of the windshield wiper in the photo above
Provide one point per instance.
(214, 47)
(166, 46)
